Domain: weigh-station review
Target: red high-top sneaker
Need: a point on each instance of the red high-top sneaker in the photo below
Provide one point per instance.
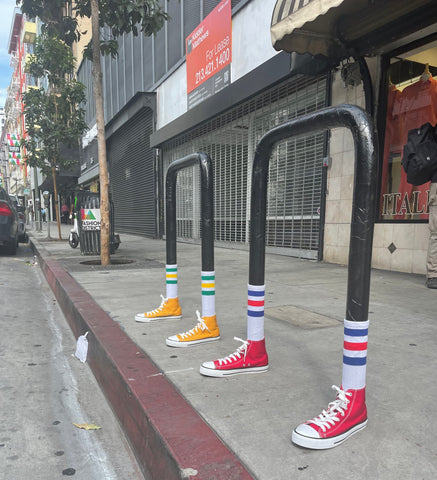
(346, 415)
(250, 357)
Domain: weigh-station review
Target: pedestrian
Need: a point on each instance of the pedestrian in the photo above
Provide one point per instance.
(65, 212)
(431, 262)
(31, 213)
(43, 213)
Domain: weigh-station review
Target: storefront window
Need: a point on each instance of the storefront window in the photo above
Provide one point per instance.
(412, 102)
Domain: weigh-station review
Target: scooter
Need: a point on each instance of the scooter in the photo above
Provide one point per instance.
(73, 238)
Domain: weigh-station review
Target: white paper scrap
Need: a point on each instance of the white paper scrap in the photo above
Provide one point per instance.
(82, 348)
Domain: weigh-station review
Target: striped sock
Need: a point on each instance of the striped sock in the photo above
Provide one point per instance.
(208, 294)
(255, 312)
(355, 355)
(171, 279)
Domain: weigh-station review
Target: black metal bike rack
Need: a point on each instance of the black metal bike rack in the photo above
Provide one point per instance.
(206, 206)
(364, 197)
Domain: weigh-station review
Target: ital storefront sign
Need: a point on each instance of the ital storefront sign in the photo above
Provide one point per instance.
(209, 55)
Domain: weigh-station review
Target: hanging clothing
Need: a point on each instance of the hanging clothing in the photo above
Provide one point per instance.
(393, 139)
(418, 105)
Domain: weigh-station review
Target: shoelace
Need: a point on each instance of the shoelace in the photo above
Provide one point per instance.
(201, 325)
(338, 407)
(237, 354)
(159, 309)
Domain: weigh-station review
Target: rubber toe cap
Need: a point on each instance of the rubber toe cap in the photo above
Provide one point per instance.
(306, 431)
(209, 365)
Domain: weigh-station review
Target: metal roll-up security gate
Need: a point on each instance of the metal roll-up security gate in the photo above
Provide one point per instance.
(132, 176)
(295, 173)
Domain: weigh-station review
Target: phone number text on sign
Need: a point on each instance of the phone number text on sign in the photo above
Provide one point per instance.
(216, 60)
(209, 46)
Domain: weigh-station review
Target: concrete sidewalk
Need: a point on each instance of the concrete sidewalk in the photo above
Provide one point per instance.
(184, 425)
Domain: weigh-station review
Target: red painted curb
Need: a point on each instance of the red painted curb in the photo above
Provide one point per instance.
(166, 434)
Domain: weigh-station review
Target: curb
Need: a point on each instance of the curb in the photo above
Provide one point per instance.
(168, 437)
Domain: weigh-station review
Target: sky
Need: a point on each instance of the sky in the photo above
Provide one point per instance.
(6, 13)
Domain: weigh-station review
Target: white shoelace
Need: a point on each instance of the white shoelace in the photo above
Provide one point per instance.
(157, 310)
(242, 349)
(336, 408)
(201, 325)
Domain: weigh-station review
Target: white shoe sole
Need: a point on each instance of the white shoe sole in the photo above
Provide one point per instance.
(212, 372)
(142, 319)
(179, 344)
(325, 443)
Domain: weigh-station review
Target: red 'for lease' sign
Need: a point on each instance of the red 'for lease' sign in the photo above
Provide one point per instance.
(209, 47)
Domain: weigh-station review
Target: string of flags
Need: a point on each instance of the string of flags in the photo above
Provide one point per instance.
(14, 148)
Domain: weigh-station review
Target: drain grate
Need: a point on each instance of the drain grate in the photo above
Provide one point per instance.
(115, 261)
(75, 264)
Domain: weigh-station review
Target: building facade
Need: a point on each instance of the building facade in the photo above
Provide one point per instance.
(386, 53)
(162, 103)
(21, 39)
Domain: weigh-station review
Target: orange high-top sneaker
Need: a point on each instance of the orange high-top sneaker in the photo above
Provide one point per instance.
(206, 330)
(169, 308)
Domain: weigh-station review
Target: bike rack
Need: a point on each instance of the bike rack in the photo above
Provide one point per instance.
(364, 197)
(206, 205)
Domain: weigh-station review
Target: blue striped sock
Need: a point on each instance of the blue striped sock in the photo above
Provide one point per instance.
(255, 312)
(355, 354)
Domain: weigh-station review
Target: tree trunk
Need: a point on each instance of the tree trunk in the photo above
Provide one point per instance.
(55, 188)
(105, 259)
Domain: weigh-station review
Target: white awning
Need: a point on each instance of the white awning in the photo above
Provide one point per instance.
(289, 22)
(332, 27)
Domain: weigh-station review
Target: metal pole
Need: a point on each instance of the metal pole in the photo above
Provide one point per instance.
(363, 208)
(206, 202)
(37, 206)
(46, 196)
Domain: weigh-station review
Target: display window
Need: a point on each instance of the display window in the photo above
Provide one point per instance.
(411, 102)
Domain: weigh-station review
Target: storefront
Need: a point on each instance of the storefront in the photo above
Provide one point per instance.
(132, 167)
(386, 53)
(247, 95)
(295, 177)
(411, 102)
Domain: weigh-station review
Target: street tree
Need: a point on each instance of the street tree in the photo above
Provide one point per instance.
(54, 116)
(122, 17)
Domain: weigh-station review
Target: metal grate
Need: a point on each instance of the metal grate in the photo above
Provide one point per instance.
(295, 173)
(132, 175)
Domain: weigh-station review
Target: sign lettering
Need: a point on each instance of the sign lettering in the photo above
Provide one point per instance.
(209, 55)
(403, 204)
(90, 219)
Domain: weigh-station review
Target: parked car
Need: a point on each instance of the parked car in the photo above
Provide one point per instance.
(8, 223)
(22, 235)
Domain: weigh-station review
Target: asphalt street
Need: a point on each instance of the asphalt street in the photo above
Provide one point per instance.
(44, 389)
